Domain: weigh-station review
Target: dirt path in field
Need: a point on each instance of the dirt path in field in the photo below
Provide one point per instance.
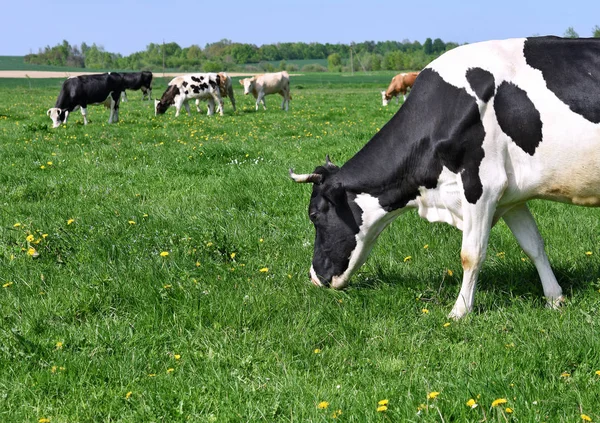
(66, 74)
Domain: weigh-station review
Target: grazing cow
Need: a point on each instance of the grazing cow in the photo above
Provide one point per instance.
(487, 127)
(225, 89)
(79, 91)
(137, 81)
(268, 83)
(181, 89)
(400, 84)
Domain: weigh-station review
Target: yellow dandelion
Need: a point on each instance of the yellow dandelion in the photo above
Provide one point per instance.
(317, 351)
(407, 258)
(31, 251)
(472, 403)
(16, 225)
(70, 221)
(7, 284)
(384, 402)
(209, 244)
(59, 345)
(44, 420)
(42, 167)
(426, 246)
(336, 414)
(30, 238)
(447, 324)
(170, 370)
(197, 264)
(424, 311)
(131, 222)
(128, 395)
(53, 369)
(499, 401)
(586, 418)
(449, 272)
(151, 374)
(382, 408)
(508, 410)
(432, 395)
(323, 405)
(588, 253)
(44, 236)
(264, 270)
(565, 374)
(177, 356)
(167, 286)
(597, 371)
(232, 255)
(164, 253)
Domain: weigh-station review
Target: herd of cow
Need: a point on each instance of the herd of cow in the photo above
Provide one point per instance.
(487, 127)
(80, 91)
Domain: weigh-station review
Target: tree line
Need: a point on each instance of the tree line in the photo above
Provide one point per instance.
(225, 55)
(228, 55)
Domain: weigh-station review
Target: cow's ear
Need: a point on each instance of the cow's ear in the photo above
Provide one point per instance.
(241, 82)
(335, 193)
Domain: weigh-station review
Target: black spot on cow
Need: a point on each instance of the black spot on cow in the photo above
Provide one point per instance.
(186, 92)
(571, 69)
(203, 86)
(438, 125)
(215, 83)
(184, 83)
(196, 79)
(482, 82)
(517, 116)
(195, 89)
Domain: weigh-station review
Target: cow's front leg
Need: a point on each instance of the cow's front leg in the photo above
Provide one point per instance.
(522, 225)
(477, 223)
(186, 104)
(198, 109)
(219, 100)
(259, 99)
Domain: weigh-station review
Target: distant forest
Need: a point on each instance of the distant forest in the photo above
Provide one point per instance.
(229, 56)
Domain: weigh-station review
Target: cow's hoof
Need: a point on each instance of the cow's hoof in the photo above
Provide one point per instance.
(457, 313)
(555, 303)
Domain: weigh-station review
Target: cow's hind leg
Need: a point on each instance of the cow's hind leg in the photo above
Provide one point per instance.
(522, 224)
(84, 114)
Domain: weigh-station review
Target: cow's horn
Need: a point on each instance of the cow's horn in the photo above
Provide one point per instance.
(314, 178)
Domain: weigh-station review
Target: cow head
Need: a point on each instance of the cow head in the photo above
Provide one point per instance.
(346, 226)
(58, 116)
(385, 99)
(248, 84)
(167, 99)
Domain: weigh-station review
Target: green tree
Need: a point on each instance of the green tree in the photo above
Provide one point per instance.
(570, 33)
(334, 62)
(428, 46)
(596, 31)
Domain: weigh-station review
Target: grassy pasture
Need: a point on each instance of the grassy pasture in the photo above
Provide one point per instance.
(103, 326)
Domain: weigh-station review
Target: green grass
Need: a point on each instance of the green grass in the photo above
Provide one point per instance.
(100, 313)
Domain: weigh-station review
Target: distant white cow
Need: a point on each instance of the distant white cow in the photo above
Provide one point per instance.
(225, 89)
(181, 89)
(268, 83)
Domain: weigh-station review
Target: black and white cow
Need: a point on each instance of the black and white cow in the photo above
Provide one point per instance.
(137, 81)
(184, 88)
(487, 127)
(79, 91)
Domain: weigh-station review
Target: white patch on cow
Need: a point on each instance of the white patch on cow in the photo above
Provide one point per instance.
(374, 220)
(442, 203)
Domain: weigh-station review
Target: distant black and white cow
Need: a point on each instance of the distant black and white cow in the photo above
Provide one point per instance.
(137, 81)
(487, 127)
(79, 91)
(268, 83)
(184, 88)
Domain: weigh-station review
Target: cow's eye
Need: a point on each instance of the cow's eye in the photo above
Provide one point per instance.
(313, 216)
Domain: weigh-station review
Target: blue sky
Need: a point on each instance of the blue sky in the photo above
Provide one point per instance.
(126, 26)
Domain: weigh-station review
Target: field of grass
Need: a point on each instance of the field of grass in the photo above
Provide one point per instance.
(156, 270)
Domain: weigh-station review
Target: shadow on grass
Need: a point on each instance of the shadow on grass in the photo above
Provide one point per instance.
(520, 282)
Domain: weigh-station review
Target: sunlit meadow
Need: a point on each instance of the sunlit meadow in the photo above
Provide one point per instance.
(156, 270)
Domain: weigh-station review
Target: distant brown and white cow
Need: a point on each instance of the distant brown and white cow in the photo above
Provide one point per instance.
(225, 89)
(399, 85)
(268, 83)
(184, 88)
